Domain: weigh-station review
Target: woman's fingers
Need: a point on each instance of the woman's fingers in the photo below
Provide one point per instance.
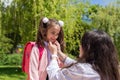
(57, 43)
(52, 47)
(50, 44)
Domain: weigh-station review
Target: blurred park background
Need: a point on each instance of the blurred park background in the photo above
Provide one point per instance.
(19, 20)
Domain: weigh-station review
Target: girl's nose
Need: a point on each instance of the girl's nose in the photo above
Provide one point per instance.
(55, 37)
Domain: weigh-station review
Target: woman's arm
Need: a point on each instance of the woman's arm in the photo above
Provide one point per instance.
(53, 69)
(66, 60)
(56, 73)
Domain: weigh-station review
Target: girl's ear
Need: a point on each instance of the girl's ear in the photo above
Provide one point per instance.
(44, 33)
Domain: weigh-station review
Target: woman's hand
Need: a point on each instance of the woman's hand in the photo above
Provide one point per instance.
(61, 55)
(52, 47)
(58, 47)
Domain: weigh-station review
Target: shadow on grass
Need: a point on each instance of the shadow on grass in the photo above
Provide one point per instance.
(11, 73)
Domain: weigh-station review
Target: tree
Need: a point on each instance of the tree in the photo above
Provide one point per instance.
(107, 19)
(20, 20)
(0, 18)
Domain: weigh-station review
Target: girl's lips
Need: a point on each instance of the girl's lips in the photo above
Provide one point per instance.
(52, 40)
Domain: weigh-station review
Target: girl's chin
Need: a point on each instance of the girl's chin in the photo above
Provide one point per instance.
(53, 42)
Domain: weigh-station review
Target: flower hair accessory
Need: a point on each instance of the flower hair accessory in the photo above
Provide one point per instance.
(45, 20)
(61, 23)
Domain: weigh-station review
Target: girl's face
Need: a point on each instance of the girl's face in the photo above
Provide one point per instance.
(81, 51)
(53, 33)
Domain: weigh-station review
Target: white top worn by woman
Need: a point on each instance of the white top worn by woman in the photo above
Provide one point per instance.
(79, 71)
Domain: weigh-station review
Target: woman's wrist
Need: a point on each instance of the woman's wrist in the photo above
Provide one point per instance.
(62, 56)
(54, 52)
(59, 51)
(54, 56)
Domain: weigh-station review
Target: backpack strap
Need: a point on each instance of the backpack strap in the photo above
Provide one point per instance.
(26, 55)
(41, 49)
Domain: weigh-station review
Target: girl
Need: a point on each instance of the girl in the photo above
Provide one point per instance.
(49, 30)
(97, 60)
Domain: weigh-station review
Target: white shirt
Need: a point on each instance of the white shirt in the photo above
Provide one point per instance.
(79, 71)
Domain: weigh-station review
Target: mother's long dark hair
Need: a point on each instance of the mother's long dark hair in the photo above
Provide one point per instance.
(100, 52)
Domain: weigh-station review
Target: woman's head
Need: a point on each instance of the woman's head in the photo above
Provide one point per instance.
(97, 45)
(50, 30)
(99, 50)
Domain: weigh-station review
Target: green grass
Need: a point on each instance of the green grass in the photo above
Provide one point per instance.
(11, 73)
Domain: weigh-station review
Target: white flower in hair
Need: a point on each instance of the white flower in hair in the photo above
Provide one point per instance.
(45, 20)
(61, 23)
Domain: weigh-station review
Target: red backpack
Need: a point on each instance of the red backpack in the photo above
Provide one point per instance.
(26, 56)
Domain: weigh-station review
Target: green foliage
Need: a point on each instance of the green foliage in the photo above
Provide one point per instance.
(0, 19)
(11, 59)
(108, 19)
(11, 73)
(20, 20)
(75, 28)
(5, 45)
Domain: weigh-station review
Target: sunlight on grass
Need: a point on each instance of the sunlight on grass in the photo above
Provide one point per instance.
(11, 73)
(12, 77)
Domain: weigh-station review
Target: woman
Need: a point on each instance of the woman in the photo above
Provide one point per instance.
(97, 60)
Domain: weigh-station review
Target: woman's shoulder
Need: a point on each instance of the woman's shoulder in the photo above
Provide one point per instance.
(81, 71)
(85, 68)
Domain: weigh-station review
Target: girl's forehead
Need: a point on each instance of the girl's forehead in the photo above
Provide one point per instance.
(55, 27)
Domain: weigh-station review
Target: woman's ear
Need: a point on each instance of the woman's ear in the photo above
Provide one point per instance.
(81, 51)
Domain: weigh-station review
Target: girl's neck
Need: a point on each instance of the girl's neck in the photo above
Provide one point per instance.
(46, 43)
